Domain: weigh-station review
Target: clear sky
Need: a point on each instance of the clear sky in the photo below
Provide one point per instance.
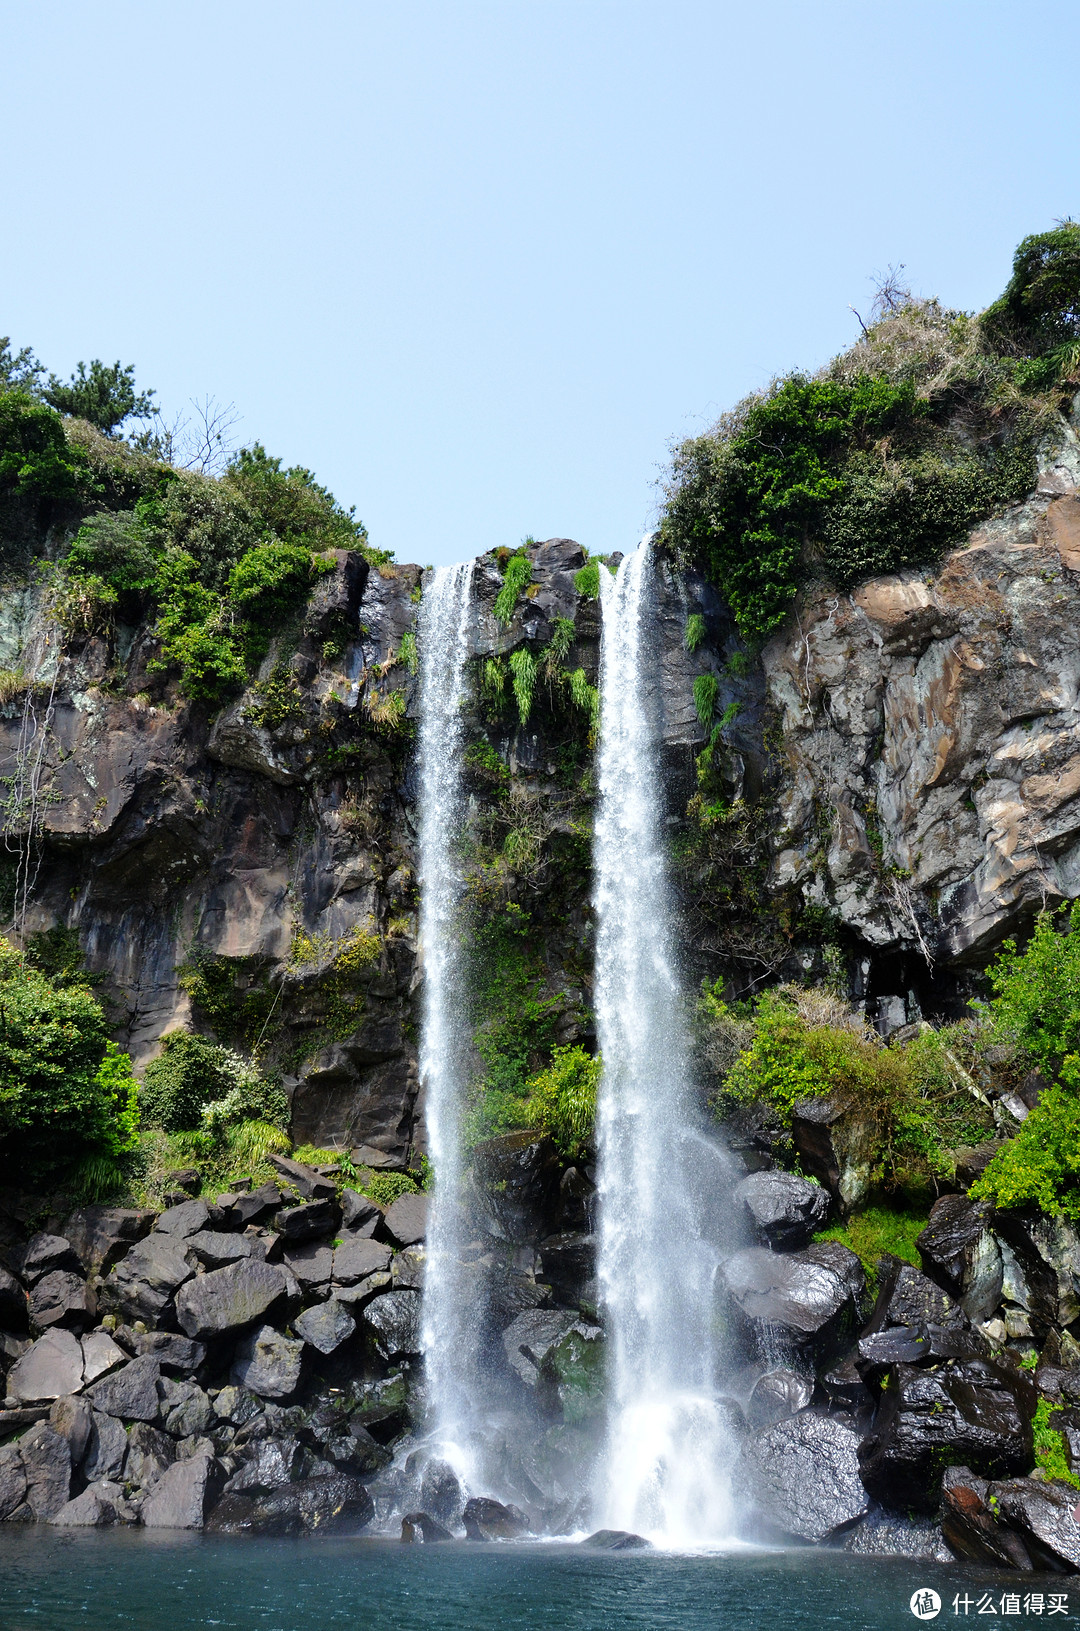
(477, 262)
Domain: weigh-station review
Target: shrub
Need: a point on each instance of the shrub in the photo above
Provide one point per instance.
(112, 546)
(291, 504)
(1036, 1001)
(564, 1097)
(516, 575)
(252, 1099)
(190, 1074)
(587, 580)
(1041, 1165)
(1039, 311)
(35, 458)
(66, 1092)
(104, 395)
(385, 1188)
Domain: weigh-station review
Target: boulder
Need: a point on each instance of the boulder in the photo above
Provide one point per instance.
(268, 1363)
(779, 1393)
(394, 1318)
(93, 1509)
(805, 1301)
(13, 1306)
(173, 1353)
(107, 1447)
(184, 1407)
(44, 1254)
(183, 1220)
(312, 1264)
(254, 1207)
(52, 1367)
(972, 1528)
(357, 1452)
(783, 1210)
(960, 1254)
(616, 1540)
(406, 1219)
(529, 1337)
(230, 1298)
(181, 1496)
(309, 1184)
(236, 1405)
(357, 1257)
(100, 1235)
(308, 1220)
(12, 1481)
(441, 1492)
(359, 1214)
(887, 1534)
(145, 1281)
(802, 1476)
(1045, 1515)
(908, 1298)
(1041, 1263)
(976, 1412)
(570, 1377)
(837, 1145)
(100, 1356)
(485, 1519)
(72, 1418)
(568, 1264)
(62, 1298)
(268, 1464)
(131, 1392)
(149, 1452)
(407, 1268)
(331, 1504)
(430, 1530)
(517, 1185)
(46, 1460)
(325, 1325)
(216, 1247)
(19, 1418)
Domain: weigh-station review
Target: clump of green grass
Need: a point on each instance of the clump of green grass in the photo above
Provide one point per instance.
(877, 1230)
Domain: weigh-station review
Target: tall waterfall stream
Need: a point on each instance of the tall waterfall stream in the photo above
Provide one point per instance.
(663, 1187)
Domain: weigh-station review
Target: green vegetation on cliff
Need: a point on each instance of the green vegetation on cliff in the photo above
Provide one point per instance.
(887, 457)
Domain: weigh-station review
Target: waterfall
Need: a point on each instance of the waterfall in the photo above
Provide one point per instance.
(449, 1315)
(663, 1185)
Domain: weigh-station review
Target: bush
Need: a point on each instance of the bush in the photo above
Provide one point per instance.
(1039, 312)
(516, 575)
(292, 505)
(35, 458)
(1036, 1001)
(915, 1100)
(191, 1074)
(1041, 1165)
(103, 395)
(384, 1188)
(113, 547)
(66, 1091)
(564, 1100)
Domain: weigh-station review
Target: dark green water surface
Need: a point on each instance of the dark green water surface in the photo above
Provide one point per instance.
(93, 1581)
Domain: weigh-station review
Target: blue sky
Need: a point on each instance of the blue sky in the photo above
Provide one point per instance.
(478, 263)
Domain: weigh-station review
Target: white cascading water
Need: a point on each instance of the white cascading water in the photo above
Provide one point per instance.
(663, 1186)
(449, 1320)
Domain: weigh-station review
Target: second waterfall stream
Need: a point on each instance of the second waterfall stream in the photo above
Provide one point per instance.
(664, 1187)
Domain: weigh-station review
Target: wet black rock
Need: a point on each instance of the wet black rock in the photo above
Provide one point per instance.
(802, 1477)
(184, 1407)
(531, 1336)
(517, 1185)
(976, 1412)
(485, 1519)
(100, 1235)
(325, 1325)
(430, 1530)
(779, 1393)
(268, 1464)
(889, 1534)
(359, 1214)
(908, 1298)
(51, 1367)
(175, 1354)
(783, 1209)
(73, 1418)
(107, 1450)
(332, 1504)
(185, 1219)
(616, 1540)
(807, 1300)
(568, 1263)
(959, 1252)
(44, 1254)
(148, 1453)
(394, 1319)
(309, 1184)
(406, 1219)
(971, 1527)
(1045, 1515)
(1042, 1268)
(358, 1257)
(441, 1492)
(12, 1481)
(183, 1494)
(308, 1221)
(46, 1460)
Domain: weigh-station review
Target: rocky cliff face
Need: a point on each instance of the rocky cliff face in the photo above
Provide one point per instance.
(900, 765)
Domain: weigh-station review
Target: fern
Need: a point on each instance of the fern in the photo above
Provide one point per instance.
(523, 667)
(582, 694)
(705, 689)
(695, 631)
(518, 574)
